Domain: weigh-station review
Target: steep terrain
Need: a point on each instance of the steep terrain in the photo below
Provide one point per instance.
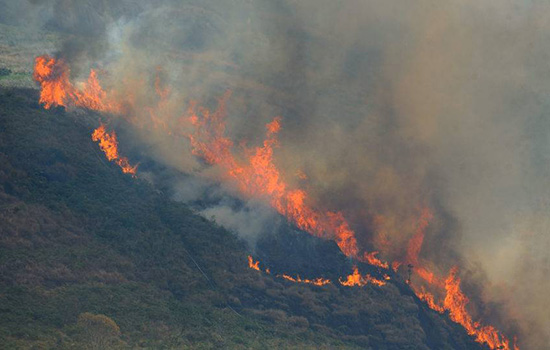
(80, 239)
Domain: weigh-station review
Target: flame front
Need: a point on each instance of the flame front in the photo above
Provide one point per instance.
(455, 302)
(353, 280)
(260, 177)
(372, 258)
(53, 77)
(109, 145)
(57, 90)
(317, 281)
(356, 279)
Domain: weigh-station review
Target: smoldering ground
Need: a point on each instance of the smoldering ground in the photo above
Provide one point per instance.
(387, 107)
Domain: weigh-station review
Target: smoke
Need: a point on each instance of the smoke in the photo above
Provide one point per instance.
(387, 107)
(249, 219)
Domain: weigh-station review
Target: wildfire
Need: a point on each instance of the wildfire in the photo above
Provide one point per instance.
(372, 259)
(415, 245)
(356, 279)
(252, 264)
(53, 77)
(109, 145)
(258, 176)
(57, 90)
(455, 302)
(429, 299)
(317, 281)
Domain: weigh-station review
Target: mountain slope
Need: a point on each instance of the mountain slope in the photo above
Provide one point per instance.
(78, 237)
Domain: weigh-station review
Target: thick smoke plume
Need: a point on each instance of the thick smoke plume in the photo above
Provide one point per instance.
(387, 107)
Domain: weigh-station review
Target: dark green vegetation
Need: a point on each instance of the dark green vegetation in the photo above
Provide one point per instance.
(92, 257)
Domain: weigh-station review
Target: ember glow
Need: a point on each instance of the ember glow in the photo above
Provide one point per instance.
(109, 145)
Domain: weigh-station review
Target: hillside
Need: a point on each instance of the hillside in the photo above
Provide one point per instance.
(78, 237)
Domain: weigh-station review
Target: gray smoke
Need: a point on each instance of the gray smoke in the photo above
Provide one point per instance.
(387, 106)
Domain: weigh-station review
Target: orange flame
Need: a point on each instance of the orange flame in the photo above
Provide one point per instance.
(252, 264)
(56, 89)
(372, 259)
(356, 279)
(53, 77)
(317, 281)
(415, 246)
(260, 177)
(429, 299)
(455, 302)
(109, 145)
(395, 265)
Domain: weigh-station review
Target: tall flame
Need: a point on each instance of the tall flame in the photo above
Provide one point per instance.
(57, 90)
(53, 77)
(429, 299)
(109, 145)
(415, 245)
(455, 302)
(260, 177)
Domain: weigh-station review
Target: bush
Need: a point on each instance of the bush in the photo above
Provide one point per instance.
(4, 71)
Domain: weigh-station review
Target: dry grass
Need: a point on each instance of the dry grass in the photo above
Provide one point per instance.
(18, 48)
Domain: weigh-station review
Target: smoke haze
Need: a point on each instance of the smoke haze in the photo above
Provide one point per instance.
(387, 107)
